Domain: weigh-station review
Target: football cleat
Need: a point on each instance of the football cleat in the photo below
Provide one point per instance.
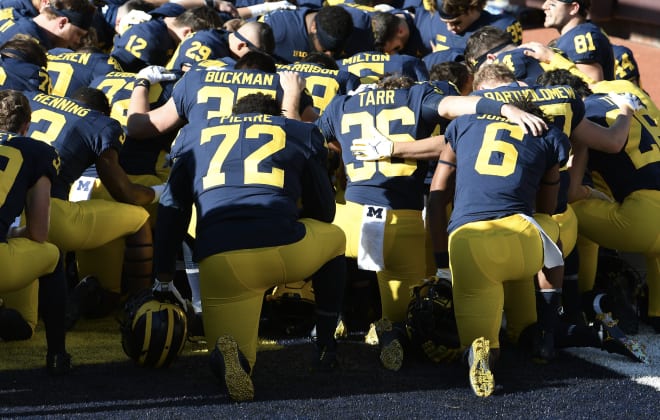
(58, 364)
(230, 365)
(371, 338)
(326, 360)
(543, 347)
(389, 340)
(481, 378)
(81, 300)
(615, 341)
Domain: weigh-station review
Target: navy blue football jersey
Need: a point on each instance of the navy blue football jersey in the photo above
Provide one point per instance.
(16, 9)
(207, 44)
(586, 44)
(244, 174)
(559, 103)
(437, 57)
(637, 166)
(526, 69)
(70, 70)
(147, 43)
(370, 66)
(401, 115)
(137, 157)
(22, 162)
(24, 26)
(323, 84)
(498, 167)
(434, 31)
(21, 75)
(362, 36)
(205, 94)
(78, 134)
(290, 33)
(626, 67)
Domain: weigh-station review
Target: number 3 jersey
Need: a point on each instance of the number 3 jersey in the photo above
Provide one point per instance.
(498, 167)
(245, 175)
(203, 94)
(401, 115)
(22, 162)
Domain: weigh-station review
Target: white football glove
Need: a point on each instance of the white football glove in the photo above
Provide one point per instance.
(595, 194)
(267, 7)
(167, 292)
(626, 99)
(158, 191)
(375, 147)
(443, 273)
(155, 74)
(131, 18)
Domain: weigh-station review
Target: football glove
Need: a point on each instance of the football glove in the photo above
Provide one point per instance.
(155, 74)
(267, 7)
(443, 273)
(626, 99)
(376, 147)
(594, 194)
(167, 292)
(158, 191)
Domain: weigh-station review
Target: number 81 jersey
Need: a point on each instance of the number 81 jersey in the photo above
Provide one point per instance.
(585, 44)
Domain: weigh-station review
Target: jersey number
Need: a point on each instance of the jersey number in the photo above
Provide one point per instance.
(13, 160)
(383, 120)
(584, 43)
(494, 146)
(54, 125)
(251, 174)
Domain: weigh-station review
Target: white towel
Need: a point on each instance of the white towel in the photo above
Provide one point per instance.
(81, 189)
(370, 252)
(552, 256)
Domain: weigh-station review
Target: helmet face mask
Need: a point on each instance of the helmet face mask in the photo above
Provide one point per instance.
(431, 314)
(153, 332)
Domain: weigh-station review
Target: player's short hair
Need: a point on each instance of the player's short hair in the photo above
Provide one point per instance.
(78, 12)
(259, 103)
(485, 40)
(15, 110)
(24, 48)
(494, 72)
(320, 59)
(256, 60)
(93, 99)
(395, 81)
(452, 71)
(199, 18)
(333, 27)
(585, 5)
(385, 26)
(565, 77)
(451, 9)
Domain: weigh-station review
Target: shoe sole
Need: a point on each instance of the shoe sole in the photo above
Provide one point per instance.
(481, 378)
(238, 382)
(391, 354)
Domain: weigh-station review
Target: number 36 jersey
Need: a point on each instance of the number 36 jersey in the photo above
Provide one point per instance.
(400, 114)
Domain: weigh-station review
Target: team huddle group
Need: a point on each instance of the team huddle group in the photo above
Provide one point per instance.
(272, 143)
